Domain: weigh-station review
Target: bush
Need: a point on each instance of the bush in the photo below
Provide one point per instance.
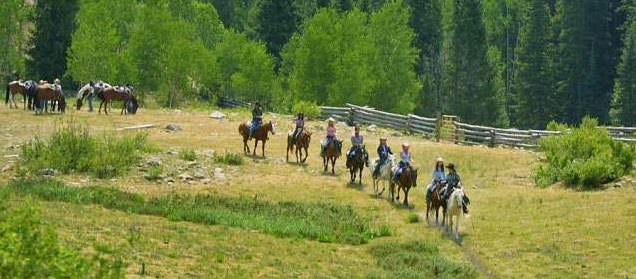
(229, 158)
(556, 126)
(187, 154)
(413, 218)
(30, 249)
(586, 157)
(310, 109)
(154, 173)
(72, 148)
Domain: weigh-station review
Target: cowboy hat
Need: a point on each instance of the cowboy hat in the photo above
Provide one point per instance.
(451, 166)
(439, 159)
(405, 144)
(382, 138)
(330, 120)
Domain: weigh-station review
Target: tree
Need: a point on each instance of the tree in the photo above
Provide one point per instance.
(394, 58)
(274, 23)
(471, 89)
(534, 98)
(54, 23)
(624, 99)
(13, 38)
(426, 21)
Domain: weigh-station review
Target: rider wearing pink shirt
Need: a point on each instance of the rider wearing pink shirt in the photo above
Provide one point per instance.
(331, 135)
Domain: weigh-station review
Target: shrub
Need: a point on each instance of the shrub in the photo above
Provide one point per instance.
(413, 218)
(30, 249)
(417, 259)
(586, 157)
(310, 109)
(556, 126)
(187, 154)
(154, 173)
(229, 158)
(72, 148)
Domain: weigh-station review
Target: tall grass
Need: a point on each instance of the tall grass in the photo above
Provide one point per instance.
(229, 158)
(315, 221)
(417, 259)
(187, 154)
(71, 148)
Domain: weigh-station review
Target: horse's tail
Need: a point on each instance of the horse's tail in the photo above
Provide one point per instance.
(6, 98)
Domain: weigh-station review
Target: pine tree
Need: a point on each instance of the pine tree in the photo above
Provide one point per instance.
(426, 21)
(274, 23)
(14, 16)
(471, 89)
(534, 98)
(54, 23)
(624, 99)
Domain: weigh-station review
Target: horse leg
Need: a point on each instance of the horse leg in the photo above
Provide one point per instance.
(324, 163)
(406, 196)
(255, 145)
(99, 111)
(333, 165)
(360, 178)
(263, 147)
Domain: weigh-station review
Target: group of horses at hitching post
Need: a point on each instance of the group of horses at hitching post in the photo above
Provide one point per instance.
(450, 203)
(37, 95)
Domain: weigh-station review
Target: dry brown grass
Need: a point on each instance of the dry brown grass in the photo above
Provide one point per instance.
(519, 230)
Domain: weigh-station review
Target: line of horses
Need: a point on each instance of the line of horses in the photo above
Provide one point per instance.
(451, 206)
(37, 95)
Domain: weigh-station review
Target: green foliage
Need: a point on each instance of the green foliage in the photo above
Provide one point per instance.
(417, 259)
(623, 110)
(15, 14)
(310, 109)
(229, 158)
(274, 23)
(154, 173)
(187, 154)
(71, 148)
(413, 218)
(315, 221)
(30, 249)
(586, 157)
(556, 126)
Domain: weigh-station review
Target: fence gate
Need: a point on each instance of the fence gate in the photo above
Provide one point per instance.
(447, 129)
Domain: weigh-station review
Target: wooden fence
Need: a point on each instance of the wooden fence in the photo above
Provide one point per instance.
(450, 129)
(226, 102)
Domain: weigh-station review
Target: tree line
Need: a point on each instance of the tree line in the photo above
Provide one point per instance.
(518, 63)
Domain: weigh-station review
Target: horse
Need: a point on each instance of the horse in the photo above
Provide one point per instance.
(30, 91)
(46, 92)
(454, 207)
(385, 174)
(436, 202)
(302, 142)
(331, 154)
(120, 93)
(260, 135)
(15, 88)
(407, 179)
(357, 163)
(86, 91)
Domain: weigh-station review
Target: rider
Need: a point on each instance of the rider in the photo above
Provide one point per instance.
(257, 118)
(357, 143)
(453, 180)
(438, 176)
(405, 162)
(383, 152)
(300, 124)
(331, 135)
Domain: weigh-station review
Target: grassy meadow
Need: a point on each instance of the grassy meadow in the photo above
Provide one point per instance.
(516, 230)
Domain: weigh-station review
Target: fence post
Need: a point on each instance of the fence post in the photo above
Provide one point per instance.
(408, 123)
(351, 118)
(492, 138)
(438, 127)
(456, 133)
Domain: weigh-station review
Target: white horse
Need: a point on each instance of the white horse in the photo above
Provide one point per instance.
(385, 174)
(454, 207)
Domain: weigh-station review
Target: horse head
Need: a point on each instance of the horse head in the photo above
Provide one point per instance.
(414, 177)
(135, 105)
(272, 128)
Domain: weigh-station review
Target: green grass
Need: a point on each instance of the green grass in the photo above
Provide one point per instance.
(413, 218)
(187, 154)
(417, 259)
(289, 219)
(71, 148)
(229, 158)
(154, 173)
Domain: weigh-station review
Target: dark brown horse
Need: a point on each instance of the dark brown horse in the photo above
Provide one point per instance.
(331, 154)
(407, 179)
(261, 135)
(356, 164)
(15, 88)
(45, 93)
(302, 142)
(436, 202)
(123, 93)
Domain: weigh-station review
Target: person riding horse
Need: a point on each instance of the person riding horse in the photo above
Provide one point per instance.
(383, 153)
(357, 145)
(439, 177)
(331, 136)
(405, 162)
(257, 118)
(299, 121)
(454, 181)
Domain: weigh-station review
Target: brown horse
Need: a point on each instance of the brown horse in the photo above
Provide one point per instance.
(301, 143)
(123, 93)
(407, 179)
(15, 88)
(46, 93)
(356, 164)
(436, 202)
(331, 154)
(260, 135)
